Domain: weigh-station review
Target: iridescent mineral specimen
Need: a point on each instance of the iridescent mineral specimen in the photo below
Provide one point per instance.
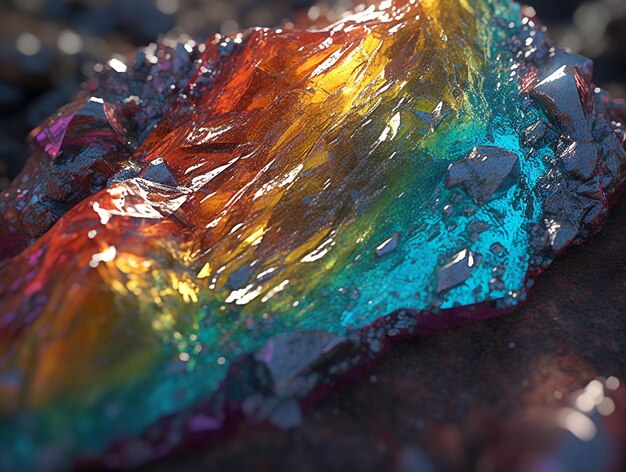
(263, 211)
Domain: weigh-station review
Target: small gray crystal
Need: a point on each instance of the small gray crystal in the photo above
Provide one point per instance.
(486, 171)
(456, 271)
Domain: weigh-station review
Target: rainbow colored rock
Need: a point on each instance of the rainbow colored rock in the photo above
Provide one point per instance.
(232, 225)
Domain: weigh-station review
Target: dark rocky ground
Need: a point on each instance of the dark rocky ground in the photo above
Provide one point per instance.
(449, 400)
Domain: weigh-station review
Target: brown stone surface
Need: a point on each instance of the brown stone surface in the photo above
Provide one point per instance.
(447, 396)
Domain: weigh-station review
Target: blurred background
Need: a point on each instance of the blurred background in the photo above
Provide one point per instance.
(47, 47)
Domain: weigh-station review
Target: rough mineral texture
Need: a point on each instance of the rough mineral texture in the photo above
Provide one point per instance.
(232, 226)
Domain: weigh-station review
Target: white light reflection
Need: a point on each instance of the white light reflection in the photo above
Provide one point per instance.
(105, 256)
(577, 423)
(117, 65)
(28, 44)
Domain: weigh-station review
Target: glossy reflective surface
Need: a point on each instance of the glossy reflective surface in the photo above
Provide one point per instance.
(191, 206)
